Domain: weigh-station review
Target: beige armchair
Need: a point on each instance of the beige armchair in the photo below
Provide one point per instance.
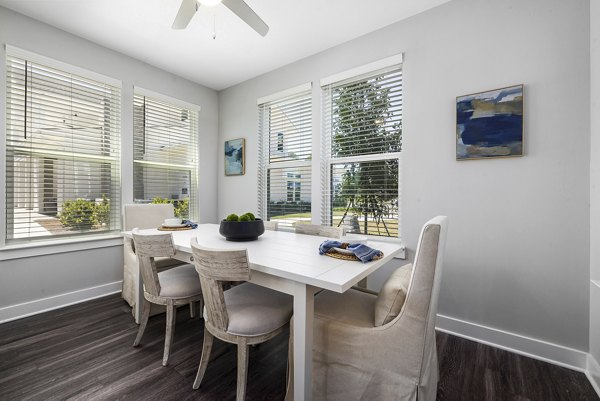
(142, 217)
(321, 231)
(369, 347)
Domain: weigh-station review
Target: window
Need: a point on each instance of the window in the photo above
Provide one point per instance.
(285, 154)
(362, 120)
(62, 150)
(165, 148)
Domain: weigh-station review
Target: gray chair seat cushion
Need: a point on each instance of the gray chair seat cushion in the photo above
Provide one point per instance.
(164, 262)
(179, 282)
(254, 310)
(352, 307)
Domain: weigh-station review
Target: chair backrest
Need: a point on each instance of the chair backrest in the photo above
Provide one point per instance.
(422, 296)
(321, 231)
(271, 225)
(214, 267)
(147, 248)
(146, 215)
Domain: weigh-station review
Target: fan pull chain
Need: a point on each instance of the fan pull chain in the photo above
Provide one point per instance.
(214, 27)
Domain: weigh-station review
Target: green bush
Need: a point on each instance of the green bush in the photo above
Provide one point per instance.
(78, 214)
(244, 217)
(102, 212)
(181, 206)
(83, 214)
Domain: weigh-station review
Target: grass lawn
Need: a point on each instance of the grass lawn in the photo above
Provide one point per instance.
(372, 227)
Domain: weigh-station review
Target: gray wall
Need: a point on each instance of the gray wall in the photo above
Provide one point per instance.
(595, 185)
(517, 256)
(29, 279)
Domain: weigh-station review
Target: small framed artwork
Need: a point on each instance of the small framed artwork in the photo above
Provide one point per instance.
(234, 157)
(490, 124)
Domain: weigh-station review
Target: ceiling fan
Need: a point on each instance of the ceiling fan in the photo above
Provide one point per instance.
(189, 7)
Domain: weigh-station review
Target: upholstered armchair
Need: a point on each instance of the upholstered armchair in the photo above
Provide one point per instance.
(381, 347)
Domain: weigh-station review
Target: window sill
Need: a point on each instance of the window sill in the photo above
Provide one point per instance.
(31, 249)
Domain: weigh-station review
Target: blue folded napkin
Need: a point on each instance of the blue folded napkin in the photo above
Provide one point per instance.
(188, 223)
(361, 251)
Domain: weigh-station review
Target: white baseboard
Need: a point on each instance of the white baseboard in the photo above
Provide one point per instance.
(593, 373)
(538, 349)
(18, 311)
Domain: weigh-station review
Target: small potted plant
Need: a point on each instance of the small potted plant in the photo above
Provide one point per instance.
(241, 228)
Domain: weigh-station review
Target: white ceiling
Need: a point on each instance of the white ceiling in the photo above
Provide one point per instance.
(142, 29)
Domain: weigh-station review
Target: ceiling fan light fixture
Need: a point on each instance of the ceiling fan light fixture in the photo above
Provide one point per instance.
(210, 3)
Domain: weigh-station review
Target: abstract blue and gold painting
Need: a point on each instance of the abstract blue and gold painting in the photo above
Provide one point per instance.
(234, 157)
(490, 124)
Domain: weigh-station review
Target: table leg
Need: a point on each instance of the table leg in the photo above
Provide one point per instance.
(303, 341)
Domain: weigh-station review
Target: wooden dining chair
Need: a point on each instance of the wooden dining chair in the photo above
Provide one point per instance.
(142, 216)
(173, 287)
(245, 314)
(321, 231)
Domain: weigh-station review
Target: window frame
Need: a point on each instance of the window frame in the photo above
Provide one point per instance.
(383, 66)
(34, 245)
(193, 192)
(264, 165)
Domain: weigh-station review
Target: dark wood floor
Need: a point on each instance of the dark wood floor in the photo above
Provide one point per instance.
(84, 352)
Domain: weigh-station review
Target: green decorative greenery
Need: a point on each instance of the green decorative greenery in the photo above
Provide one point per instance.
(181, 206)
(83, 214)
(248, 216)
(232, 217)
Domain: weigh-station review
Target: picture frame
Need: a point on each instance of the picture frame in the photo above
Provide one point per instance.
(235, 154)
(489, 124)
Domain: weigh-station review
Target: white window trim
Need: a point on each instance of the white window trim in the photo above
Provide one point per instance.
(59, 65)
(263, 145)
(285, 93)
(137, 90)
(195, 108)
(327, 161)
(388, 62)
(48, 246)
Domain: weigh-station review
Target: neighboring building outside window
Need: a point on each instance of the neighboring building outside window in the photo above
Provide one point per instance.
(165, 165)
(62, 150)
(285, 157)
(362, 120)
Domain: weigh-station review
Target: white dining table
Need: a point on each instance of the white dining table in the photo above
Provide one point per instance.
(290, 263)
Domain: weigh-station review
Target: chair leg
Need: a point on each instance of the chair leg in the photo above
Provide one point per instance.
(242, 368)
(143, 322)
(206, 348)
(192, 310)
(171, 314)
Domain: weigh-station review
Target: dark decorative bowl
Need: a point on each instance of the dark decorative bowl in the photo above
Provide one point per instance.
(242, 230)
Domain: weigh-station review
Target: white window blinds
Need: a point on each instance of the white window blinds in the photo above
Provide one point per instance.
(165, 166)
(362, 125)
(285, 154)
(62, 153)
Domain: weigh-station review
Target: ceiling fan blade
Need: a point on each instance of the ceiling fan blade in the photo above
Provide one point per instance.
(242, 10)
(186, 11)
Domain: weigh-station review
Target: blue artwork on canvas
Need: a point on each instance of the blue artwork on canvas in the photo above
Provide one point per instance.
(234, 157)
(490, 124)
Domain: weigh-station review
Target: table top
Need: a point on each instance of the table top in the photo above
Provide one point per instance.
(289, 255)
